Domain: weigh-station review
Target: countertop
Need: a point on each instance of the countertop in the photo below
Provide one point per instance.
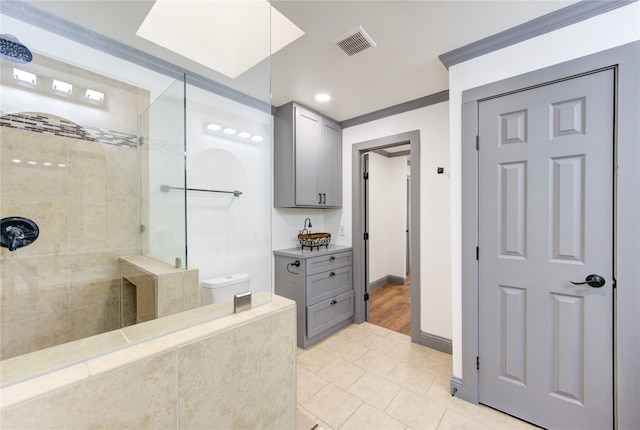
(298, 252)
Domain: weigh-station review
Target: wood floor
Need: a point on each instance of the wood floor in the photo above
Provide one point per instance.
(390, 307)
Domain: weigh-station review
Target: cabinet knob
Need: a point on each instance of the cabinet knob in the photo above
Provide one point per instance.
(332, 274)
(333, 257)
(333, 302)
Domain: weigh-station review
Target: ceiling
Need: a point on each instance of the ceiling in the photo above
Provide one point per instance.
(410, 35)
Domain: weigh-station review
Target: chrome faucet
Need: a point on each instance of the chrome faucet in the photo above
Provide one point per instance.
(306, 226)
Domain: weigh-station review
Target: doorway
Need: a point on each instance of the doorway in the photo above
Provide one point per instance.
(387, 265)
(400, 144)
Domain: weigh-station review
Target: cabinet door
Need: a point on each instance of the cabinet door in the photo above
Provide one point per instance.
(330, 175)
(307, 135)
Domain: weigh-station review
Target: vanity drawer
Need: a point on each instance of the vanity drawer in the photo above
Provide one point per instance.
(328, 262)
(325, 315)
(323, 286)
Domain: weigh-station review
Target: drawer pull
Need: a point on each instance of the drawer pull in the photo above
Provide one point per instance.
(332, 274)
(333, 257)
(333, 302)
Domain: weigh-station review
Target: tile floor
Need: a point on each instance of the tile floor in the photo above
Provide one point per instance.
(368, 377)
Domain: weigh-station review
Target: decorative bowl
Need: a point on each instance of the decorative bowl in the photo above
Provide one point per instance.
(314, 240)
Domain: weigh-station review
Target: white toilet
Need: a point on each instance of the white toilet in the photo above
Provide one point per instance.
(223, 288)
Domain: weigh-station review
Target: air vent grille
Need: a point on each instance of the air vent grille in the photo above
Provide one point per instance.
(354, 41)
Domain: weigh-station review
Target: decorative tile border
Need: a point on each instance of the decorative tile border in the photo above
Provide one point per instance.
(66, 128)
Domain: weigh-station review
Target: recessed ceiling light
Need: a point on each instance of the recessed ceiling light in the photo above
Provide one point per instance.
(23, 76)
(63, 87)
(214, 127)
(46, 163)
(229, 131)
(323, 97)
(244, 134)
(213, 37)
(257, 138)
(15, 160)
(33, 163)
(96, 96)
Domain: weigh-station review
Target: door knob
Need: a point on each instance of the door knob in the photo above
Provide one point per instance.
(595, 281)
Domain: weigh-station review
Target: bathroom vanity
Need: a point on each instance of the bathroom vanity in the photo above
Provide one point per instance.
(321, 283)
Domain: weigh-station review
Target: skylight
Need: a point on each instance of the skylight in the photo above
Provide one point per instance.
(228, 36)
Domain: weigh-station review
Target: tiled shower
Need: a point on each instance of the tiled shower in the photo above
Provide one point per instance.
(77, 166)
(72, 168)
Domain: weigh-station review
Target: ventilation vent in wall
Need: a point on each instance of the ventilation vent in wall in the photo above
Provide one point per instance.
(354, 41)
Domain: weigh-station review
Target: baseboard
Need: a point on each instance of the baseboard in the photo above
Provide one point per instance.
(400, 280)
(435, 342)
(378, 283)
(455, 384)
(389, 279)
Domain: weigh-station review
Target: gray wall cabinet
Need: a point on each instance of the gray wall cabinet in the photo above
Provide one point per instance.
(307, 159)
(322, 287)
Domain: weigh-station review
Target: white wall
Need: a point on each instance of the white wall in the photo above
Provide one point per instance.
(397, 206)
(379, 221)
(432, 122)
(387, 216)
(228, 234)
(603, 32)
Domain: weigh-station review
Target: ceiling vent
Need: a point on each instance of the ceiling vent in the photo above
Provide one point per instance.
(354, 41)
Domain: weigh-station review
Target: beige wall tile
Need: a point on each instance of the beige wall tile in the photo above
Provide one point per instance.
(170, 298)
(243, 378)
(49, 212)
(142, 395)
(33, 334)
(123, 222)
(87, 223)
(123, 171)
(34, 286)
(91, 266)
(94, 292)
(87, 169)
(95, 319)
(24, 178)
(191, 289)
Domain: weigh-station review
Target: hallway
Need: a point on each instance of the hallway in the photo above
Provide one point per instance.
(390, 307)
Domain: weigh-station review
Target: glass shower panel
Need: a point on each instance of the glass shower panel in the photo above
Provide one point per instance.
(163, 187)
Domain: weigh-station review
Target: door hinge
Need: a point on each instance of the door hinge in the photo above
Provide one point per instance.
(366, 236)
(477, 142)
(366, 297)
(141, 140)
(477, 253)
(477, 363)
(365, 176)
(142, 228)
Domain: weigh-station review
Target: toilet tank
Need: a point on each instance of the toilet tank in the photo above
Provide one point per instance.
(223, 288)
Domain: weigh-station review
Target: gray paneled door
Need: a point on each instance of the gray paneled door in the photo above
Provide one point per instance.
(546, 219)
